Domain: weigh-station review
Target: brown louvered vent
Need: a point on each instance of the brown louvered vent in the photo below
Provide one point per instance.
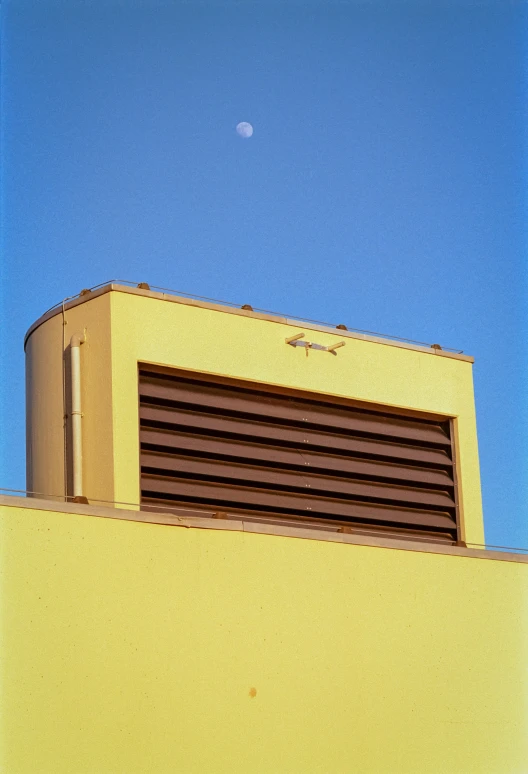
(214, 445)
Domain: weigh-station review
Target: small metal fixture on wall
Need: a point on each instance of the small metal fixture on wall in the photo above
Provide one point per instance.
(295, 341)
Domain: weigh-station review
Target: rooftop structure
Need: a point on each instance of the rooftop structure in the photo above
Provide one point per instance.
(253, 544)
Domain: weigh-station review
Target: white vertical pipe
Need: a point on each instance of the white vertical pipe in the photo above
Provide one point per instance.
(76, 413)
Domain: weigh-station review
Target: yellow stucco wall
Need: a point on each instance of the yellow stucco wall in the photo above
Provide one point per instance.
(44, 409)
(124, 328)
(132, 648)
(44, 388)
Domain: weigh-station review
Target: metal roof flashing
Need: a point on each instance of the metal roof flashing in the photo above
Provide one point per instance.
(245, 311)
(165, 518)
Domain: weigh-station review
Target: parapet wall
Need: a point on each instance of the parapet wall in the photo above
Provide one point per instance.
(148, 648)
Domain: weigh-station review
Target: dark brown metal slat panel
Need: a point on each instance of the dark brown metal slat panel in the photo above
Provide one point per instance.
(266, 455)
(237, 474)
(157, 487)
(291, 458)
(301, 438)
(182, 509)
(222, 400)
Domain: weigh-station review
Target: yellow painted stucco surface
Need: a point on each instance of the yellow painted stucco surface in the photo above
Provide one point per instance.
(133, 648)
(124, 329)
(44, 389)
(44, 409)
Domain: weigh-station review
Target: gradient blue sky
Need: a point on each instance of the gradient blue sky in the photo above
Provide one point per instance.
(384, 186)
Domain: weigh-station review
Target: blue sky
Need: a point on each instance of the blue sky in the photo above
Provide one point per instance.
(384, 186)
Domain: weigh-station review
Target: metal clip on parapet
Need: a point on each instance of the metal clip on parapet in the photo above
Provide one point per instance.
(295, 341)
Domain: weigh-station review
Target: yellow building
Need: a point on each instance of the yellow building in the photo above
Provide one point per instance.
(255, 544)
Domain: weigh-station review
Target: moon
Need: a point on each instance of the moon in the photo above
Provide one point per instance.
(244, 129)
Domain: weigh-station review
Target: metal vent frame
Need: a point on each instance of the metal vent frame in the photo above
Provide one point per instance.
(237, 449)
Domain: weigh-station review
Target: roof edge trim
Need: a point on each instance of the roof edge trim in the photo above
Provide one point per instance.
(201, 522)
(268, 317)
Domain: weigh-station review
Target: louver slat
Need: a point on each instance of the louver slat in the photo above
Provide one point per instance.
(246, 475)
(277, 410)
(225, 427)
(231, 447)
(253, 454)
(213, 494)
